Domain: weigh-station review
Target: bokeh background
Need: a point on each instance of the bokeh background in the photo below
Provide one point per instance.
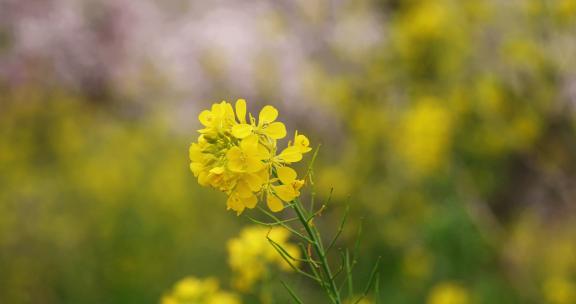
(450, 126)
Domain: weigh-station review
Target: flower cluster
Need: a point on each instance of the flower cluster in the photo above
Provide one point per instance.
(193, 290)
(239, 156)
(448, 293)
(250, 254)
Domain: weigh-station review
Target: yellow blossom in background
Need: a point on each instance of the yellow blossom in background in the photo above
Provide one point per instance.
(417, 264)
(250, 254)
(427, 19)
(364, 300)
(425, 136)
(559, 290)
(192, 290)
(238, 156)
(555, 260)
(448, 293)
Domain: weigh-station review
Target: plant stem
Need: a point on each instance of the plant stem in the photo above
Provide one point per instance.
(313, 234)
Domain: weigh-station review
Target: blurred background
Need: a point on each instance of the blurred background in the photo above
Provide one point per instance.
(450, 126)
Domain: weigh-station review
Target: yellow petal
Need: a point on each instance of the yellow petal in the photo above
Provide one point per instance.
(205, 118)
(291, 154)
(250, 202)
(298, 184)
(249, 143)
(275, 130)
(274, 204)
(203, 178)
(286, 175)
(261, 153)
(235, 163)
(243, 189)
(228, 111)
(268, 114)
(241, 130)
(302, 142)
(217, 109)
(196, 168)
(195, 152)
(254, 181)
(217, 170)
(235, 204)
(285, 192)
(241, 110)
(253, 164)
(263, 175)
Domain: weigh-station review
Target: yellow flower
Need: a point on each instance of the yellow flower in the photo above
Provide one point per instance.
(424, 137)
(287, 191)
(302, 143)
(241, 110)
(250, 254)
(448, 293)
(364, 300)
(197, 291)
(238, 203)
(266, 123)
(218, 119)
(238, 156)
(247, 157)
(559, 290)
(289, 155)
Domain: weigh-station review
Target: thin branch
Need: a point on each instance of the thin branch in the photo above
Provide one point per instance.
(357, 243)
(309, 174)
(284, 225)
(340, 228)
(316, 213)
(370, 280)
(335, 275)
(291, 292)
(309, 259)
(271, 224)
(282, 253)
(312, 161)
(333, 293)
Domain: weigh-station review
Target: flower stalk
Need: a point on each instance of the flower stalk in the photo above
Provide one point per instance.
(328, 280)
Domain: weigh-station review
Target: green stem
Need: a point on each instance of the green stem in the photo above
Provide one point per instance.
(313, 234)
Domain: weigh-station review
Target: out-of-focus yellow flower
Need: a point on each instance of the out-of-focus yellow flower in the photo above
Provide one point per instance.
(426, 19)
(192, 290)
(354, 300)
(425, 136)
(238, 156)
(559, 290)
(448, 293)
(566, 9)
(250, 254)
(416, 263)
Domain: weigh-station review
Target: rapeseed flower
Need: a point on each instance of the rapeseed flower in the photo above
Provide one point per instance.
(424, 138)
(559, 290)
(250, 254)
(193, 290)
(448, 293)
(238, 155)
